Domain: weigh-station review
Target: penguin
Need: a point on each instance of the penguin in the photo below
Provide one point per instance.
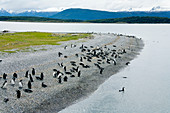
(29, 84)
(127, 63)
(59, 80)
(18, 94)
(33, 71)
(13, 81)
(15, 75)
(79, 73)
(65, 68)
(54, 74)
(43, 85)
(4, 76)
(41, 77)
(20, 84)
(114, 61)
(59, 54)
(31, 79)
(65, 79)
(65, 47)
(4, 85)
(101, 70)
(76, 55)
(26, 74)
(6, 100)
(122, 90)
(27, 90)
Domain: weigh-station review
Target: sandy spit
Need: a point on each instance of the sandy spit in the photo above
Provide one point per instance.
(58, 96)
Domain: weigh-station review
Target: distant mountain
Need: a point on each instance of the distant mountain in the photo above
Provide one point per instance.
(4, 12)
(87, 14)
(27, 13)
(35, 14)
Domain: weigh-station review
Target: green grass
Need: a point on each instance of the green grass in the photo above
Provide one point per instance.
(22, 40)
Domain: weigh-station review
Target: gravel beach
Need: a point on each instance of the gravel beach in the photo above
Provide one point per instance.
(57, 96)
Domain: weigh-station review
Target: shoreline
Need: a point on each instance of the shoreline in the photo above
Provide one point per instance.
(57, 97)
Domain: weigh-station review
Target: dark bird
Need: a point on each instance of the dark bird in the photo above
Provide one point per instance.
(59, 80)
(65, 56)
(15, 75)
(65, 47)
(127, 63)
(122, 90)
(79, 73)
(31, 79)
(101, 70)
(41, 77)
(4, 85)
(59, 54)
(76, 55)
(4, 76)
(33, 71)
(27, 90)
(26, 74)
(43, 85)
(6, 100)
(65, 79)
(29, 84)
(18, 93)
(69, 73)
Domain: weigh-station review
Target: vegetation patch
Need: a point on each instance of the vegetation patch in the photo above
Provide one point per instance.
(21, 41)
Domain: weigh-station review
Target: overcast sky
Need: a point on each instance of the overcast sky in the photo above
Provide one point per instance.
(111, 5)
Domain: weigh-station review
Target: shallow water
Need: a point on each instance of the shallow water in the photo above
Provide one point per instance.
(147, 85)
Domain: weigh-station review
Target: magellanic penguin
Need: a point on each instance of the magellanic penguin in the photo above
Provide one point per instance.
(43, 85)
(18, 93)
(122, 90)
(4, 76)
(29, 84)
(13, 81)
(4, 85)
(33, 71)
(31, 79)
(26, 74)
(15, 75)
(20, 84)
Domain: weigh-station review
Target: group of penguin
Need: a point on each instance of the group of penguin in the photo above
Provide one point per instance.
(86, 56)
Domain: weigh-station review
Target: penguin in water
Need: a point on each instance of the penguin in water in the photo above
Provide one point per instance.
(20, 84)
(29, 84)
(4, 76)
(127, 63)
(18, 94)
(122, 90)
(13, 81)
(31, 79)
(4, 85)
(43, 85)
(26, 74)
(33, 71)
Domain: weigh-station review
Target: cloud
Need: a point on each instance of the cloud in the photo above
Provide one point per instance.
(18, 5)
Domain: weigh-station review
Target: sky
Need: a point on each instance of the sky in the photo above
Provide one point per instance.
(57, 5)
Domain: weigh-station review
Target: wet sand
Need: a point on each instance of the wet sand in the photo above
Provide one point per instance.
(58, 96)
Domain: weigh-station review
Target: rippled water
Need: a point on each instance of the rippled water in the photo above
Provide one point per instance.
(147, 85)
